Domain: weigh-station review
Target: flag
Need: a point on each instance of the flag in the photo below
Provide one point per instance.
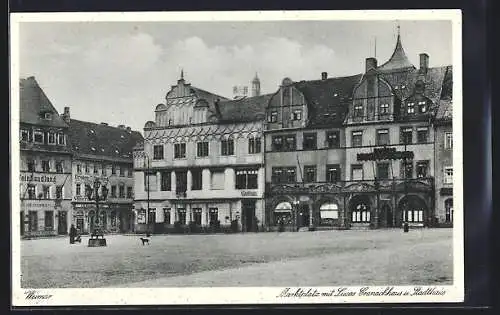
(300, 169)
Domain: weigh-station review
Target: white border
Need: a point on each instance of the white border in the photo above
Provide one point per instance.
(240, 295)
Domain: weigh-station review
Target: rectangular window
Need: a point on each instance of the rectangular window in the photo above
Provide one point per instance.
(291, 176)
(59, 190)
(38, 137)
(52, 138)
(121, 191)
(407, 169)
(196, 179)
(333, 173)
(410, 108)
(46, 192)
(448, 140)
(181, 215)
(45, 166)
(122, 171)
(104, 170)
(227, 147)
(96, 169)
(283, 175)
(422, 134)
(310, 173)
(246, 178)
(179, 150)
(254, 145)
(422, 169)
(130, 172)
(384, 109)
(422, 107)
(357, 172)
(31, 192)
(25, 135)
(406, 135)
(290, 143)
(297, 115)
(382, 170)
(150, 181)
(310, 141)
(181, 181)
(31, 165)
(113, 169)
(130, 194)
(158, 152)
(166, 215)
(383, 137)
(273, 117)
(333, 139)
(196, 215)
(217, 180)
(277, 143)
(113, 191)
(213, 215)
(361, 215)
(87, 169)
(202, 149)
(448, 175)
(166, 181)
(49, 220)
(78, 189)
(33, 220)
(357, 138)
(60, 139)
(358, 110)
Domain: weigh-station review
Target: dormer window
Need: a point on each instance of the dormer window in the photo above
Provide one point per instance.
(24, 135)
(60, 139)
(384, 109)
(38, 137)
(273, 117)
(47, 116)
(422, 107)
(358, 110)
(410, 108)
(296, 115)
(52, 138)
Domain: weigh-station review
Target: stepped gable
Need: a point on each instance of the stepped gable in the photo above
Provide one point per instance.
(102, 141)
(34, 104)
(328, 100)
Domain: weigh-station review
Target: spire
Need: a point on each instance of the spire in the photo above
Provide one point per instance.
(256, 85)
(182, 74)
(398, 60)
(256, 78)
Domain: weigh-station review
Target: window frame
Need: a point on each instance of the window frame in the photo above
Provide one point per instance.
(447, 178)
(333, 144)
(329, 171)
(39, 133)
(357, 167)
(246, 178)
(312, 144)
(254, 145)
(384, 131)
(227, 147)
(198, 181)
(180, 150)
(419, 163)
(310, 173)
(296, 115)
(202, 149)
(383, 164)
(448, 140)
(354, 135)
(158, 152)
(419, 132)
(273, 117)
(402, 137)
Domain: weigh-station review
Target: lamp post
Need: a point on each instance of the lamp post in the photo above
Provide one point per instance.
(92, 192)
(295, 217)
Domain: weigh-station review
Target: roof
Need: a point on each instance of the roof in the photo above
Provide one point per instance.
(328, 99)
(102, 141)
(398, 60)
(208, 96)
(445, 110)
(34, 102)
(244, 109)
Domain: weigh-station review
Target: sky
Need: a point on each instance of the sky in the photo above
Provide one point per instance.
(117, 72)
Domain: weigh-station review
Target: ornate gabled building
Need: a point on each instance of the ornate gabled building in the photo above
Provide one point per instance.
(359, 151)
(45, 165)
(104, 153)
(201, 162)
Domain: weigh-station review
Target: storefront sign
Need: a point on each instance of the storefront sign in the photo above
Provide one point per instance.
(90, 206)
(39, 205)
(37, 178)
(385, 154)
(247, 193)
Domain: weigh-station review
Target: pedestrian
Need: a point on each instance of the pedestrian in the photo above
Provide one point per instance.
(72, 234)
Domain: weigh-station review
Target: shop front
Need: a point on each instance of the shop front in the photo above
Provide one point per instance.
(40, 218)
(113, 218)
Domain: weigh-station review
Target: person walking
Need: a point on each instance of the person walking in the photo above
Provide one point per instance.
(72, 234)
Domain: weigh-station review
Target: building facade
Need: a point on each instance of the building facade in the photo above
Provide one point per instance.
(201, 162)
(360, 151)
(103, 153)
(45, 164)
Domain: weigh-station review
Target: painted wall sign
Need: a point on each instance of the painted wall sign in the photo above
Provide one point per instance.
(39, 205)
(37, 178)
(385, 154)
(246, 193)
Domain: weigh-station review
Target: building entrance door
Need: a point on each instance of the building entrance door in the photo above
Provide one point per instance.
(62, 223)
(303, 216)
(248, 211)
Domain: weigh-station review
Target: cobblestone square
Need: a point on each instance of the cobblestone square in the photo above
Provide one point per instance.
(321, 258)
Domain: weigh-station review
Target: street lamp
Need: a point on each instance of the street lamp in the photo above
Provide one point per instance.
(295, 217)
(92, 192)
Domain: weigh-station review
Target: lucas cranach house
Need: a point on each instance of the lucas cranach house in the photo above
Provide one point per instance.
(362, 151)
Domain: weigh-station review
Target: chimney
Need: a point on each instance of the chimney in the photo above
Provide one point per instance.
(104, 124)
(66, 116)
(121, 126)
(129, 129)
(371, 63)
(424, 62)
(324, 75)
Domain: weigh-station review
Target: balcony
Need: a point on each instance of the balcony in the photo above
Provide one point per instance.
(390, 185)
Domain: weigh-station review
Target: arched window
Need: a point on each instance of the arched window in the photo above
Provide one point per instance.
(283, 212)
(329, 212)
(361, 213)
(448, 207)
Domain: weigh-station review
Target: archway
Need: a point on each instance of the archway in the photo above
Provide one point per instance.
(282, 212)
(412, 209)
(360, 209)
(386, 217)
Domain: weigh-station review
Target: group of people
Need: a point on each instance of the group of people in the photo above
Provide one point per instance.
(73, 235)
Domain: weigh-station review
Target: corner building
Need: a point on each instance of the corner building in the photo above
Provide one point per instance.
(45, 165)
(319, 133)
(201, 162)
